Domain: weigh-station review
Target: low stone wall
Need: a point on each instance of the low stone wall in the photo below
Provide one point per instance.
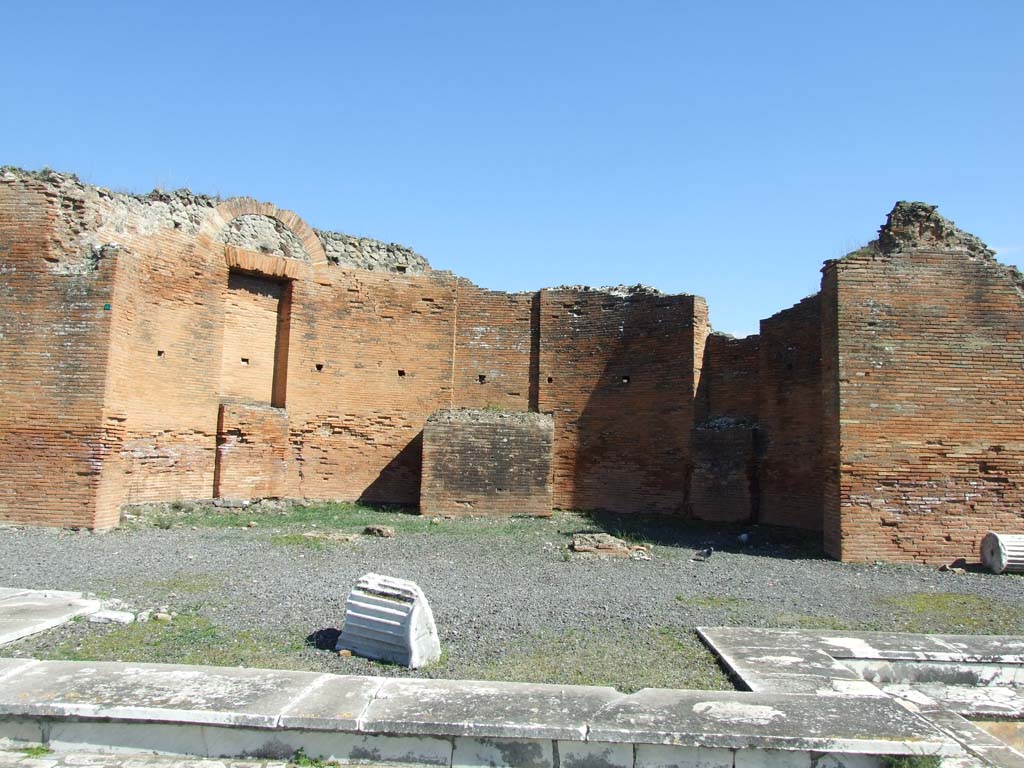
(234, 712)
(478, 462)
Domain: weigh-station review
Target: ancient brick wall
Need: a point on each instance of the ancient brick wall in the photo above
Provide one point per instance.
(729, 379)
(370, 359)
(164, 377)
(54, 330)
(617, 370)
(830, 427)
(493, 348)
(487, 463)
(790, 417)
(252, 451)
(723, 485)
(929, 346)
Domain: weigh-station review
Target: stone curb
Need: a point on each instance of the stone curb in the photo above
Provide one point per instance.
(220, 712)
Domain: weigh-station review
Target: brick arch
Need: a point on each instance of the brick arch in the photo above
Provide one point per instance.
(241, 206)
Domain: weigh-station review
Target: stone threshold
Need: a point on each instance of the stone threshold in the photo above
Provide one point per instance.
(944, 679)
(271, 714)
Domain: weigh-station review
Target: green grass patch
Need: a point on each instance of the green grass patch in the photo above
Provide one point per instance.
(353, 518)
(626, 660)
(911, 761)
(301, 760)
(36, 750)
(954, 613)
(188, 584)
(185, 640)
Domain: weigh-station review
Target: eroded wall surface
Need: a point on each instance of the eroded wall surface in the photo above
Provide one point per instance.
(55, 293)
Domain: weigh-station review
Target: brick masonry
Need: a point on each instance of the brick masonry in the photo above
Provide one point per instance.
(487, 462)
(925, 340)
(176, 346)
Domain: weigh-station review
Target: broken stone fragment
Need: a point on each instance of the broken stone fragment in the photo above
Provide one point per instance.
(383, 531)
(112, 617)
(389, 619)
(331, 536)
(606, 545)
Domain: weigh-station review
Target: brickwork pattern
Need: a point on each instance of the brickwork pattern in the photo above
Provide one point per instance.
(930, 350)
(487, 463)
(252, 452)
(54, 332)
(884, 411)
(789, 474)
(723, 486)
(729, 379)
(618, 374)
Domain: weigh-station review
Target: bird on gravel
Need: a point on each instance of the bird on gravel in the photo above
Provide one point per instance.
(703, 554)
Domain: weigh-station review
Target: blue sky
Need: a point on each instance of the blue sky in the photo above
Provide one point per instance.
(724, 149)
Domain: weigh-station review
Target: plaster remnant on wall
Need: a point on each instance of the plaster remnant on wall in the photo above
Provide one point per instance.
(264, 234)
(374, 255)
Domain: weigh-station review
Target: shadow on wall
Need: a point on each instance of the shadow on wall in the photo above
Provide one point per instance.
(633, 429)
(399, 481)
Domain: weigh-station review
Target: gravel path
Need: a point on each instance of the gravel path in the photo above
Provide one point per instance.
(512, 604)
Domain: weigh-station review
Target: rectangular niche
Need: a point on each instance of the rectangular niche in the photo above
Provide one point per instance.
(257, 317)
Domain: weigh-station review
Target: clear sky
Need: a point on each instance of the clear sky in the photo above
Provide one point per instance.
(718, 148)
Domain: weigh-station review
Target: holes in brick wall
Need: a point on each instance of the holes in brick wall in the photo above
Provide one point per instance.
(401, 373)
(400, 269)
(159, 353)
(245, 361)
(319, 367)
(481, 378)
(551, 379)
(625, 379)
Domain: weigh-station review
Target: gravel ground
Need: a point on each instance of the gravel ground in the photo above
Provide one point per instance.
(509, 601)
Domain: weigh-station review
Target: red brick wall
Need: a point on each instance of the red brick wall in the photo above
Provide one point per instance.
(165, 366)
(830, 429)
(930, 348)
(790, 417)
(487, 463)
(618, 373)
(723, 484)
(729, 379)
(492, 348)
(252, 451)
(384, 346)
(53, 360)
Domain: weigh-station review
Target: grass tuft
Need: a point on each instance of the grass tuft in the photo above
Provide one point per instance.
(953, 612)
(628, 661)
(36, 750)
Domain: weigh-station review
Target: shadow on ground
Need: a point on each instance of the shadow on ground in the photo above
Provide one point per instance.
(669, 531)
(324, 639)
